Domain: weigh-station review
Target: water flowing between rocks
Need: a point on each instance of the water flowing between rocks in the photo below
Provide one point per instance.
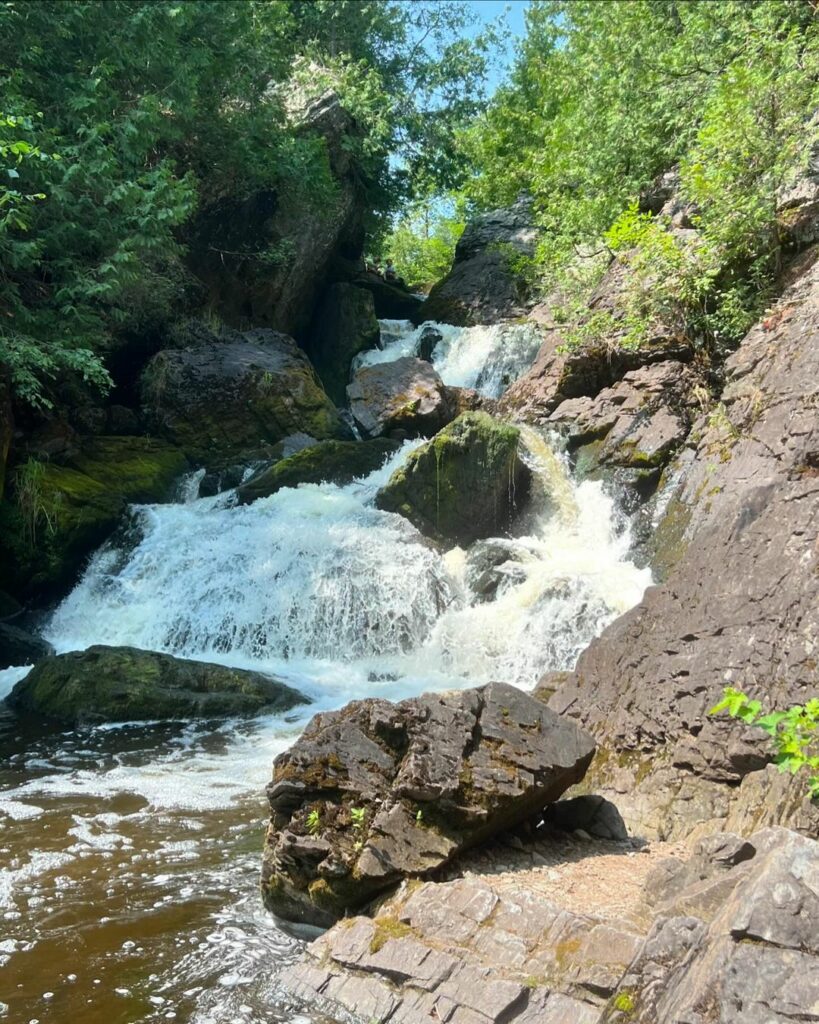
(129, 855)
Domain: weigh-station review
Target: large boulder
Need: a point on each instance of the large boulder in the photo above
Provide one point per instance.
(465, 484)
(377, 792)
(740, 606)
(392, 302)
(120, 684)
(338, 462)
(264, 258)
(231, 392)
(405, 396)
(19, 647)
(344, 325)
(61, 511)
(485, 285)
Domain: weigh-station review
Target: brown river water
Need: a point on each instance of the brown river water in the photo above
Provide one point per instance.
(129, 872)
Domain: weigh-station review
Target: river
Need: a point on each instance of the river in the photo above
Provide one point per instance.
(129, 855)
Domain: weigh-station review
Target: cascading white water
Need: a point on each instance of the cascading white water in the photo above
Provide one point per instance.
(485, 358)
(316, 578)
(319, 586)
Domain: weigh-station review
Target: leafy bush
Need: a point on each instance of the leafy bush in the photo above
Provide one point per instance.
(605, 97)
(422, 245)
(795, 732)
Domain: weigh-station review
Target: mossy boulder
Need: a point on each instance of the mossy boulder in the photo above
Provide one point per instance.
(466, 484)
(232, 393)
(60, 512)
(338, 462)
(121, 684)
(344, 325)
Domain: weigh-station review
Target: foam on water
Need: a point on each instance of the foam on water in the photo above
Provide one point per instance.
(485, 358)
(153, 823)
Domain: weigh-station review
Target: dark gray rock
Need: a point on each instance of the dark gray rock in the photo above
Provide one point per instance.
(343, 326)
(405, 395)
(492, 564)
(429, 338)
(741, 603)
(19, 647)
(338, 462)
(231, 392)
(484, 286)
(466, 484)
(593, 814)
(391, 301)
(121, 684)
(396, 790)
(264, 258)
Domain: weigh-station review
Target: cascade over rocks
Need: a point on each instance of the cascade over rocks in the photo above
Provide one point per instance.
(338, 462)
(343, 326)
(405, 395)
(232, 392)
(377, 792)
(121, 684)
(740, 606)
(483, 286)
(466, 484)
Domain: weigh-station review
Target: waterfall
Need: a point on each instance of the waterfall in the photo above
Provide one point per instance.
(315, 581)
(485, 358)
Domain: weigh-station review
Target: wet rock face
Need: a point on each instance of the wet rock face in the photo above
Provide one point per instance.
(391, 301)
(377, 792)
(121, 684)
(339, 462)
(405, 396)
(344, 325)
(741, 605)
(19, 647)
(231, 392)
(483, 286)
(464, 485)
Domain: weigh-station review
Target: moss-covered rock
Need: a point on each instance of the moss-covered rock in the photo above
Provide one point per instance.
(465, 484)
(344, 325)
(234, 392)
(119, 684)
(338, 462)
(60, 512)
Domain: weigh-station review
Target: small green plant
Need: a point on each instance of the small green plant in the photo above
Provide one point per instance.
(624, 1002)
(314, 822)
(357, 815)
(31, 501)
(419, 817)
(795, 732)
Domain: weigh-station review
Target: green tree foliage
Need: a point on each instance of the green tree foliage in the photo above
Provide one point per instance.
(422, 244)
(794, 733)
(606, 96)
(123, 117)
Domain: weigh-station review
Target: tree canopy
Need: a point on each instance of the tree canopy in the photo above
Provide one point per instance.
(120, 118)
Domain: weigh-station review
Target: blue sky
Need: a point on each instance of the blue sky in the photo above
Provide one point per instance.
(489, 10)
